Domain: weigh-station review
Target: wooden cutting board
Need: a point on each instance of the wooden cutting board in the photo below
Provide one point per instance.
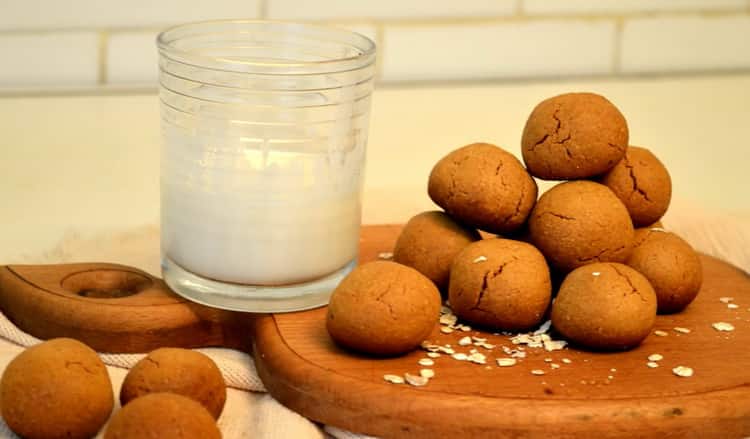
(606, 395)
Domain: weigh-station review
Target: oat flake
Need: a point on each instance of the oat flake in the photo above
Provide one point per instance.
(723, 326)
(537, 372)
(446, 330)
(433, 354)
(655, 357)
(652, 364)
(726, 299)
(732, 306)
(385, 255)
(660, 333)
(480, 259)
(416, 380)
(460, 356)
(465, 341)
(506, 362)
(683, 371)
(427, 373)
(681, 330)
(554, 365)
(393, 379)
(426, 362)
(566, 360)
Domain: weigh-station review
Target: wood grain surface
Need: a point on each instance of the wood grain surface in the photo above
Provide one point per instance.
(115, 308)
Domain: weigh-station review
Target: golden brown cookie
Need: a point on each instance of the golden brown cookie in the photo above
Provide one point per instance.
(59, 388)
(163, 415)
(574, 135)
(500, 284)
(483, 186)
(605, 306)
(429, 242)
(182, 371)
(383, 308)
(580, 222)
(643, 184)
(670, 264)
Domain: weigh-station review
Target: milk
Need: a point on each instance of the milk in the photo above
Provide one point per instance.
(260, 212)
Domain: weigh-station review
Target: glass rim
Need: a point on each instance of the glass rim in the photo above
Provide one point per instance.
(366, 48)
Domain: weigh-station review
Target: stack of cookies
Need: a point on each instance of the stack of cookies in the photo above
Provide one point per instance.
(593, 241)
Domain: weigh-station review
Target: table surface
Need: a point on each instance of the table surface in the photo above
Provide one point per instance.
(90, 164)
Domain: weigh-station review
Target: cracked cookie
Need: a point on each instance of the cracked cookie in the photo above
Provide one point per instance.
(605, 306)
(383, 308)
(483, 186)
(59, 388)
(573, 135)
(163, 415)
(182, 371)
(643, 184)
(670, 264)
(500, 284)
(429, 242)
(579, 222)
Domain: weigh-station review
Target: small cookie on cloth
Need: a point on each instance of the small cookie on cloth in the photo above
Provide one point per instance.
(383, 308)
(182, 371)
(163, 415)
(59, 388)
(483, 186)
(643, 184)
(579, 222)
(574, 135)
(605, 306)
(670, 264)
(429, 242)
(500, 284)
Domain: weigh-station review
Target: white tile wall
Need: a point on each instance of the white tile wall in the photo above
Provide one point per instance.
(507, 50)
(380, 9)
(55, 59)
(36, 14)
(685, 43)
(619, 6)
(132, 58)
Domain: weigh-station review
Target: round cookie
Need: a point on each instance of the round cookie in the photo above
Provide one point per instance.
(59, 388)
(643, 184)
(429, 242)
(483, 186)
(182, 371)
(383, 308)
(579, 222)
(670, 264)
(574, 135)
(163, 415)
(501, 284)
(605, 306)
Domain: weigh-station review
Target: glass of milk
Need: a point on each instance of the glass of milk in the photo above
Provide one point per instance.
(264, 133)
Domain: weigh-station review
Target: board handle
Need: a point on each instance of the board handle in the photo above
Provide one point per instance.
(114, 308)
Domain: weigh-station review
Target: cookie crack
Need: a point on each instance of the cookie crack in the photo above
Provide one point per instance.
(597, 257)
(380, 297)
(151, 360)
(69, 363)
(634, 181)
(488, 276)
(518, 206)
(558, 215)
(633, 289)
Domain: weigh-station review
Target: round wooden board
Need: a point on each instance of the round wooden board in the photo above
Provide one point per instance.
(607, 395)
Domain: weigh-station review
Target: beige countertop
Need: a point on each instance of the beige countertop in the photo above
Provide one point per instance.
(89, 164)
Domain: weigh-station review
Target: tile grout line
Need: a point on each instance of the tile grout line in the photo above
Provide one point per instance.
(263, 9)
(102, 51)
(519, 9)
(617, 49)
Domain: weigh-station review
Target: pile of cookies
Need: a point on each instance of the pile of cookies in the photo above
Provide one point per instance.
(592, 241)
(61, 388)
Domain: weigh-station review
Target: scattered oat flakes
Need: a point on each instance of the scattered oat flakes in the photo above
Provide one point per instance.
(683, 371)
(554, 365)
(426, 362)
(480, 259)
(446, 329)
(476, 339)
(547, 360)
(726, 299)
(485, 345)
(681, 330)
(596, 273)
(433, 354)
(393, 379)
(447, 350)
(652, 364)
(477, 358)
(460, 356)
(385, 255)
(427, 373)
(613, 370)
(660, 333)
(464, 328)
(543, 328)
(506, 362)
(537, 372)
(732, 306)
(566, 360)
(610, 377)
(723, 326)
(554, 345)
(448, 319)
(518, 354)
(655, 357)
(473, 351)
(445, 310)
(465, 341)
(416, 380)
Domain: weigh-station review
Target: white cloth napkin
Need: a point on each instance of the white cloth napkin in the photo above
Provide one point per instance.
(251, 413)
